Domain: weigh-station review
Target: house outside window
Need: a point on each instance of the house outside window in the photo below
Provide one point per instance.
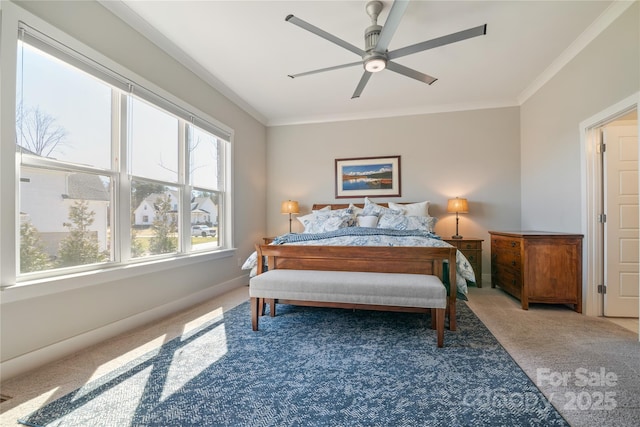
(77, 176)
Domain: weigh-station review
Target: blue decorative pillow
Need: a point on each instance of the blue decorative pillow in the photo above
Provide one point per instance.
(372, 208)
(404, 222)
(356, 210)
(321, 222)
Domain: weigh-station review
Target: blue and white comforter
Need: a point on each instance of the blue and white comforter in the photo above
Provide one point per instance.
(363, 236)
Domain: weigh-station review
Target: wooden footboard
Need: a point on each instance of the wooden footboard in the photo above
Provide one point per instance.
(382, 259)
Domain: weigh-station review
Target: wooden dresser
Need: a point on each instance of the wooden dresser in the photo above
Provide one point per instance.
(472, 250)
(538, 266)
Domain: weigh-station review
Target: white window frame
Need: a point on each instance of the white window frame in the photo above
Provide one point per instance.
(11, 290)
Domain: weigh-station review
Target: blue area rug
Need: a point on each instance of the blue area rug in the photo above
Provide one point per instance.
(313, 367)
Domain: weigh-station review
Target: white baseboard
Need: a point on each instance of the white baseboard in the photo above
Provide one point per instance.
(53, 352)
(486, 280)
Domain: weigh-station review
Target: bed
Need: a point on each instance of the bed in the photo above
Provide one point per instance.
(374, 224)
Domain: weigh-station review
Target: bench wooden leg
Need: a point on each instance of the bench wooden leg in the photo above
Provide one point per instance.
(255, 312)
(260, 306)
(272, 306)
(439, 316)
(433, 318)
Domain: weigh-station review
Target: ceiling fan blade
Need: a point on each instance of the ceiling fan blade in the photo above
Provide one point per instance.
(363, 82)
(401, 69)
(321, 70)
(440, 41)
(391, 24)
(317, 31)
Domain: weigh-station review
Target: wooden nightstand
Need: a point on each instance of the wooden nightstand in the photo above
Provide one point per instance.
(472, 249)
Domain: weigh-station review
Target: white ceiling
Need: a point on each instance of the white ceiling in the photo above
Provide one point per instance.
(246, 50)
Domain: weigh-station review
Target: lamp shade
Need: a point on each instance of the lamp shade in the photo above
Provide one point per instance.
(458, 205)
(289, 207)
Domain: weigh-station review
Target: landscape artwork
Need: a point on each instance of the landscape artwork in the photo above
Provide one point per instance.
(368, 177)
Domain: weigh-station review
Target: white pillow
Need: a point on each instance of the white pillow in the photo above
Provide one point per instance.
(368, 221)
(406, 222)
(411, 209)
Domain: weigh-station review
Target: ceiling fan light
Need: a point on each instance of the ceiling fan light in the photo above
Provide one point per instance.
(375, 64)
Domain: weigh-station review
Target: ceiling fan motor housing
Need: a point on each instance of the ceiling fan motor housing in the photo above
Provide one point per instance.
(372, 32)
(371, 35)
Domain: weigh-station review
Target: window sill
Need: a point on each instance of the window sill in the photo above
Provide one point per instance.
(53, 285)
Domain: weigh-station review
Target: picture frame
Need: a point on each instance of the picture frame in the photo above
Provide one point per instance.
(368, 177)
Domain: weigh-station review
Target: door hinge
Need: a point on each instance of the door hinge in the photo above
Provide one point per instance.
(601, 148)
(602, 218)
(602, 289)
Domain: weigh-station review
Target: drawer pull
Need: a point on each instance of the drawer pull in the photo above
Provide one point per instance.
(513, 244)
(513, 282)
(513, 263)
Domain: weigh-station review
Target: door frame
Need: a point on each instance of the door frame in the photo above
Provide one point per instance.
(592, 200)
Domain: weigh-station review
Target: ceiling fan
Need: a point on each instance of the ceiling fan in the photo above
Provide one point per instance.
(375, 56)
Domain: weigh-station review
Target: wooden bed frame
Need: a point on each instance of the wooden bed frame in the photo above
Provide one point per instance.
(404, 261)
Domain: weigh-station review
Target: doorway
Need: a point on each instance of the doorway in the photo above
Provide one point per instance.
(611, 215)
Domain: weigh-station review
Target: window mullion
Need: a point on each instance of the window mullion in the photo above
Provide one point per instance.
(122, 199)
(185, 189)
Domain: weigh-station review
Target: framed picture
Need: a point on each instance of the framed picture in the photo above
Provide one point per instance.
(368, 176)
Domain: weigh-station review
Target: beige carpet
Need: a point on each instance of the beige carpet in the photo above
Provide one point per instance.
(588, 367)
(551, 340)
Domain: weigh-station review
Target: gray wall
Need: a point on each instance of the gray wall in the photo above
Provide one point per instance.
(472, 154)
(604, 73)
(36, 323)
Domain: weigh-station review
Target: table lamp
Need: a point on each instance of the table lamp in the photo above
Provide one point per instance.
(457, 205)
(289, 207)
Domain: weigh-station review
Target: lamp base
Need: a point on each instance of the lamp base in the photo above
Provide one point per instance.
(457, 236)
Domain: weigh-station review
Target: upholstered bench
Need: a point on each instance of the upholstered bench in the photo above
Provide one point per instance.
(420, 290)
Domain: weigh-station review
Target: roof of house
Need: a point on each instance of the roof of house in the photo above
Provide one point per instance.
(198, 203)
(86, 187)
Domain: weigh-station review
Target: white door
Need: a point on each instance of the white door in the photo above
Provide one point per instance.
(622, 252)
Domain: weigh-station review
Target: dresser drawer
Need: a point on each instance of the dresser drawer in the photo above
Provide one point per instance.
(509, 259)
(505, 243)
(508, 279)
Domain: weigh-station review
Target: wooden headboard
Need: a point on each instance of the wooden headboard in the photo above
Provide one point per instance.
(317, 206)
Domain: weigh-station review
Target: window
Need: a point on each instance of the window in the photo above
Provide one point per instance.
(63, 137)
(206, 179)
(92, 146)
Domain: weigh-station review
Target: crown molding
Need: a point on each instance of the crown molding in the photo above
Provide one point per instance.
(606, 18)
(449, 108)
(135, 21)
